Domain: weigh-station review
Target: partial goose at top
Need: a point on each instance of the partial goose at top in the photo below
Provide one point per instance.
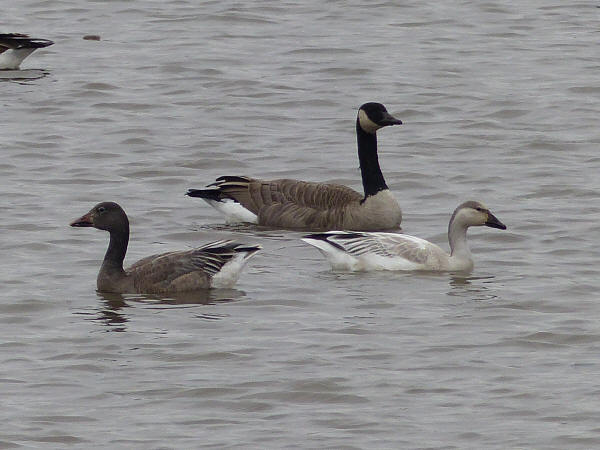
(351, 251)
(214, 265)
(293, 204)
(15, 47)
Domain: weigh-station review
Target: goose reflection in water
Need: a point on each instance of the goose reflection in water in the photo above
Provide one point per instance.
(471, 287)
(112, 311)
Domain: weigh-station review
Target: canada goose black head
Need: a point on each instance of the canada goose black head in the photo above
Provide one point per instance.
(107, 216)
(373, 116)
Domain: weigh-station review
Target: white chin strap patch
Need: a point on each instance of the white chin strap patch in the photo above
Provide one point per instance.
(367, 124)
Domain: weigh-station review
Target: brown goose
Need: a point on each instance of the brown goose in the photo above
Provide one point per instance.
(15, 47)
(294, 204)
(214, 265)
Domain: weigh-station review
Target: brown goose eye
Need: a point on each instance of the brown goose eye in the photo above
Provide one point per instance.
(101, 209)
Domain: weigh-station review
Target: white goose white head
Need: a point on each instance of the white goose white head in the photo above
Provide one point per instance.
(373, 116)
(472, 213)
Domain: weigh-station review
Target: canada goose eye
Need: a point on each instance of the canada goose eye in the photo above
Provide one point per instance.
(101, 209)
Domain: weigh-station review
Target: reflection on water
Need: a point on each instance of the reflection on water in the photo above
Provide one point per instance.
(243, 228)
(110, 315)
(112, 311)
(21, 76)
(471, 287)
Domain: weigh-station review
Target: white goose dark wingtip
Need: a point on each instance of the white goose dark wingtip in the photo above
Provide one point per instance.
(331, 236)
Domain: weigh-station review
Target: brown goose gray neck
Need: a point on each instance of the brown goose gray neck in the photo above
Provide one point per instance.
(117, 248)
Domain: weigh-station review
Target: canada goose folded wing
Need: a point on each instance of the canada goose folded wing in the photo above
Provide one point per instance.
(285, 202)
(255, 194)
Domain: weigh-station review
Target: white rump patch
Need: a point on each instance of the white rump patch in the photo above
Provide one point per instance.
(233, 211)
(230, 272)
(12, 58)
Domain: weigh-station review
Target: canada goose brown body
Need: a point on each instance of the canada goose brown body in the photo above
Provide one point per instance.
(294, 204)
(217, 264)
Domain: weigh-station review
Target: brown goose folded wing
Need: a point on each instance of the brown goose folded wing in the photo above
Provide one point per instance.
(182, 271)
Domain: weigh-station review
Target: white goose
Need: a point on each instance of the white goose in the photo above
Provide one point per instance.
(355, 251)
(15, 47)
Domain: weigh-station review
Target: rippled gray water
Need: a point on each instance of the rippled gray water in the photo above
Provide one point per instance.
(500, 103)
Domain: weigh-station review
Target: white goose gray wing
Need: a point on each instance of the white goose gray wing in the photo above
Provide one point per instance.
(366, 246)
(388, 245)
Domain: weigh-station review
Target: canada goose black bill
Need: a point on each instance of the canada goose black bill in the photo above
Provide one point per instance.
(15, 47)
(360, 251)
(214, 265)
(294, 204)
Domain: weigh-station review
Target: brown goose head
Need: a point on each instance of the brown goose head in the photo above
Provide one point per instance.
(107, 216)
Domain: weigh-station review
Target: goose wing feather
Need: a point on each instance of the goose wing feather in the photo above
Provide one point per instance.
(182, 270)
(290, 203)
(19, 40)
(255, 194)
(388, 245)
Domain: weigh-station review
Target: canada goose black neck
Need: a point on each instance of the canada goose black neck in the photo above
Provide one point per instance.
(372, 178)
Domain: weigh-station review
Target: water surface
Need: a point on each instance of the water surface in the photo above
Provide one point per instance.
(499, 103)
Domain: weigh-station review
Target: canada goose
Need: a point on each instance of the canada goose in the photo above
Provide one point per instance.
(392, 251)
(214, 265)
(287, 203)
(15, 47)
